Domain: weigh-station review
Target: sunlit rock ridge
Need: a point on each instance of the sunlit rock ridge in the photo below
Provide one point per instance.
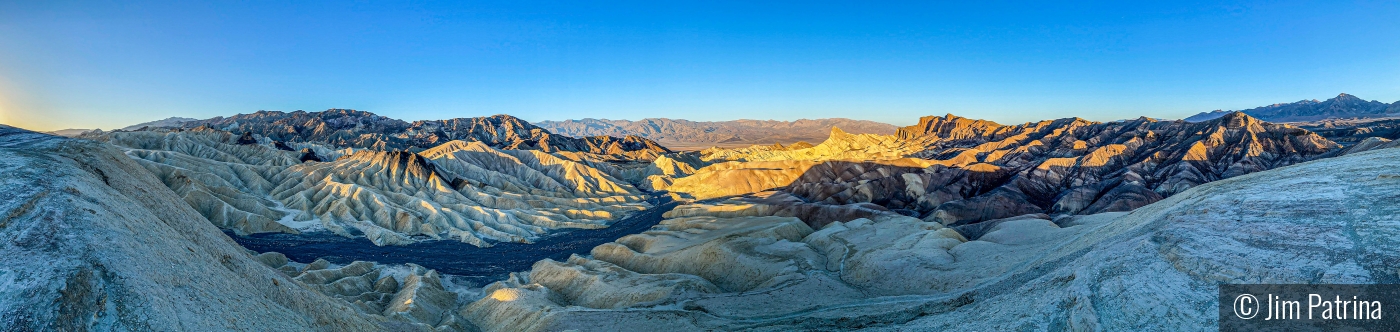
(704, 134)
(957, 171)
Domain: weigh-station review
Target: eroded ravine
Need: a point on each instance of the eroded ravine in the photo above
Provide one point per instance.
(472, 263)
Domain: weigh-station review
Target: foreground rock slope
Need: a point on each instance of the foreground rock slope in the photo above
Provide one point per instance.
(92, 241)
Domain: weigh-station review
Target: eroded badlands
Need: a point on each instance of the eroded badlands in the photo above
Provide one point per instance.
(950, 224)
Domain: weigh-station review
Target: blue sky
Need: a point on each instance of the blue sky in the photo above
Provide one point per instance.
(112, 63)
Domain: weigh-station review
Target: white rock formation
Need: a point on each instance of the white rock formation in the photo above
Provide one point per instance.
(89, 240)
(464, 191)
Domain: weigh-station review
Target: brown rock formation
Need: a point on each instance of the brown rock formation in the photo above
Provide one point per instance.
(1062, 166)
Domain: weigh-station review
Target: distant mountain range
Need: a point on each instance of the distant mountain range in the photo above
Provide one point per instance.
(171, 122)
(69, 132)
(683, 134)
(1343, 106)
(360, 129)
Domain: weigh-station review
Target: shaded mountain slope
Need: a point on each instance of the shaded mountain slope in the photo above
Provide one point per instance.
(1342, 106)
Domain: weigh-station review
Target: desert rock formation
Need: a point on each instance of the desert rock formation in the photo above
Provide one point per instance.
(704, 134)
(957, 171)
(464, 191)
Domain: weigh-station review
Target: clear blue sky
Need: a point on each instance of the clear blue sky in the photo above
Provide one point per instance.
(108, 64)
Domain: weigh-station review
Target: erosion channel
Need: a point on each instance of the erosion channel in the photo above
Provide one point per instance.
(478, 265)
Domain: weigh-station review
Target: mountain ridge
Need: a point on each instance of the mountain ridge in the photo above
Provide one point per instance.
(732, 133)
(1342, 106)
(361, 129)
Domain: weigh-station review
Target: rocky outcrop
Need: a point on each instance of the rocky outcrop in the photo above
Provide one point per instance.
(365, 130)
(949, 127)
(701, 134)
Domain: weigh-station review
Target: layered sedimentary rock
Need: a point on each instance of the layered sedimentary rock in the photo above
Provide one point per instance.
(956, 171)
(703, 134)
(1157, 267)
(464, 191)
(359, 129)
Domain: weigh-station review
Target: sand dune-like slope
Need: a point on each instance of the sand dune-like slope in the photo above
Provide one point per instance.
(464, 191)
(728, 265)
